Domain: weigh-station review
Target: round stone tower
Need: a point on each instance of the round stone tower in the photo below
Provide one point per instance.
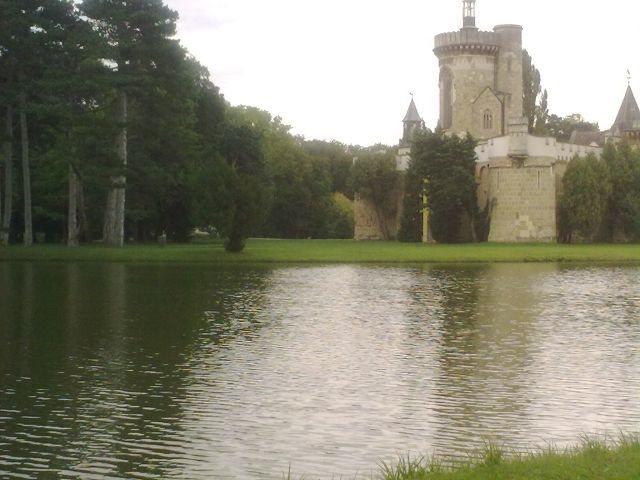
(509, 68)
(480, 77)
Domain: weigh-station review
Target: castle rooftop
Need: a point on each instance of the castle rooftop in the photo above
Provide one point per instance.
(412, 113)
(629, 115)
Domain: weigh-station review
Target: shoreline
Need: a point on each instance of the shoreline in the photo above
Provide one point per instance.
(268, 251)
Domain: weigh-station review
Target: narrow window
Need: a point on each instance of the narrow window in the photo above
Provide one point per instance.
(487, 120)
(538, 180)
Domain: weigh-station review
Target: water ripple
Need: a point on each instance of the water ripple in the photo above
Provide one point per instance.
(123, 371)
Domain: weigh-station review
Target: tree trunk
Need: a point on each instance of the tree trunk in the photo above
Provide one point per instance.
(84, 230)
(8, 178)
(26, 172)
(114, 215)
(3, 145)
(72, 216)
(110, 214)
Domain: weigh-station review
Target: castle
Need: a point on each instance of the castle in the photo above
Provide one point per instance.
(519, 175)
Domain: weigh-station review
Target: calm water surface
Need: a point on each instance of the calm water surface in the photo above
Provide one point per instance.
(111, 371)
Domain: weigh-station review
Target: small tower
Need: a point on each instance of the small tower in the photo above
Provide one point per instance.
(627, 124)
(412, 122)
(469, 14)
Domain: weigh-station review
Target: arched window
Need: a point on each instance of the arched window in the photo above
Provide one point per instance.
(446, 98)
(487, 120)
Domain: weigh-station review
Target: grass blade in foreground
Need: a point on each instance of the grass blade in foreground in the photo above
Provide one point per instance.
(593, 460)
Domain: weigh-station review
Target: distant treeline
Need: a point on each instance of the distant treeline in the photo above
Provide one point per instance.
(112, 131)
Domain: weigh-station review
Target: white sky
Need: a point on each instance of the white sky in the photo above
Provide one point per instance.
(343, 69)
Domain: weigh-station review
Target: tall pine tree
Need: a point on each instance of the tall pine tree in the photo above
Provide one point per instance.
(139, 33)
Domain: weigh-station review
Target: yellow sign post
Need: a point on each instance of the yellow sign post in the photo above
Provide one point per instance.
(425, 214)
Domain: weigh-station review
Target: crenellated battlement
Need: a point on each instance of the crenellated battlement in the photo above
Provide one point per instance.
(467, 40)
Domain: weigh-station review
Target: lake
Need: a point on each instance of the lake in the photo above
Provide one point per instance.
(113, 371)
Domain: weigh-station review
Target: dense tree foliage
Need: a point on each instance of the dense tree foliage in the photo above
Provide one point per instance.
(146, 77)
(531, 89)
(534, 99)
(247, 183)
(28, 34)
(304, 177)
(338, 159)
(442, 170)
(586, 187)
(622, 220)
(562, 127)
(121, 135)
(601, 198)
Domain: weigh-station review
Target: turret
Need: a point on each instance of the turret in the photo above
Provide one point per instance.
(469, 14)
(412, 122)
(509, 68)
(627, 122)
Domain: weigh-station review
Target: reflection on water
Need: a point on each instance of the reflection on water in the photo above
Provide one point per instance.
(164, 371)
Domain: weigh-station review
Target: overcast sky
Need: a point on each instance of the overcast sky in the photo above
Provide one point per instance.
(343, 69)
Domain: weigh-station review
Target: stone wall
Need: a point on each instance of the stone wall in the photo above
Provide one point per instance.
(535, 146)
(520, 178)
(487, 102)
(367, 225)
(471, 75)
(523, 200)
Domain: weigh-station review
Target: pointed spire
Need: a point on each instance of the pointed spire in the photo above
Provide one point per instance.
(412, 113)
(629, 115)
(412, 122)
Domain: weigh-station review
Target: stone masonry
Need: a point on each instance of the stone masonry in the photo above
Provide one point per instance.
(480, 79)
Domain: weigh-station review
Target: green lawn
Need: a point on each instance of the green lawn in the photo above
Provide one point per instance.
(594, 460)
(330, 251)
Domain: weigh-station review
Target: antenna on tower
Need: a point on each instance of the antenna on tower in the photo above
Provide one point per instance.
(469, 13)
(628, 77)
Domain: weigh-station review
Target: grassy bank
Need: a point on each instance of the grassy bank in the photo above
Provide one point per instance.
(330, 251)
(593, 460)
